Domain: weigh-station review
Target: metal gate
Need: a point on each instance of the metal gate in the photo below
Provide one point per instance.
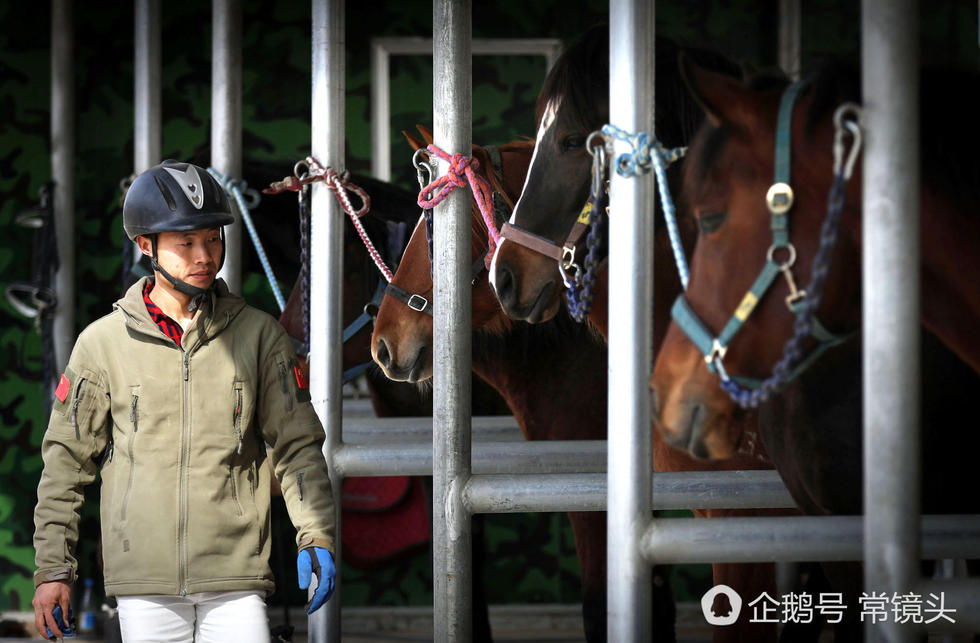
(522, 476)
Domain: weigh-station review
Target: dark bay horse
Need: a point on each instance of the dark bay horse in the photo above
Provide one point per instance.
(528, 283)
(552, 375)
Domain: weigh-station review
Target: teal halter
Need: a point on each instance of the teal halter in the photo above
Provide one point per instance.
(779, 200)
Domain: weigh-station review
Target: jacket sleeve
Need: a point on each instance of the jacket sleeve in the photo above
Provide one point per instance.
(293, 430)
(76, 435)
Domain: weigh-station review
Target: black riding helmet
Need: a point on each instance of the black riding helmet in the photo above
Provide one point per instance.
(175, 197)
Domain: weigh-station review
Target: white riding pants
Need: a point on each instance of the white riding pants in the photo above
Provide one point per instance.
(207, 617)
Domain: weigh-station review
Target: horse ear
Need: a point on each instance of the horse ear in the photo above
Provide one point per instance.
(426, 133)
(414, 142)
(721, 97)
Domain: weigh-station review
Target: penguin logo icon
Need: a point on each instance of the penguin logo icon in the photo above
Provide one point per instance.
(721, 605)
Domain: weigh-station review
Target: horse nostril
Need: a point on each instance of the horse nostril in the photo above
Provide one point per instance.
(383, 356)
(503, 283)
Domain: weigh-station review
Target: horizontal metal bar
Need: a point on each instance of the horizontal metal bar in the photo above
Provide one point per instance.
(489, 457)
(407, 429)
(817, 538)
(587, 491)
(960, 594)
(482, 46)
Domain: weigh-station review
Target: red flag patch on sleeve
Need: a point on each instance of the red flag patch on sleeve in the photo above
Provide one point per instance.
(300, 377)
(64, 385)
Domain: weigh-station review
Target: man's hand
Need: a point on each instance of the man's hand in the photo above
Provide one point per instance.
(46, 597)
(319, 561)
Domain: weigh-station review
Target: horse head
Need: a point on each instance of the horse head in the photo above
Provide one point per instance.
(402, 339)
(572, 104)
(729, 169)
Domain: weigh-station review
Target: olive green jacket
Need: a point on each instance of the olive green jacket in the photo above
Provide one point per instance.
(180, 435)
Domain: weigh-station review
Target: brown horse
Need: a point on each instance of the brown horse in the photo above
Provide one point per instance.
(528, 283)
(728, 172)
(552, 376)
(812, 425)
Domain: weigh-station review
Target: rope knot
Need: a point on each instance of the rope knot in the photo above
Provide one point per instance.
(462, 172)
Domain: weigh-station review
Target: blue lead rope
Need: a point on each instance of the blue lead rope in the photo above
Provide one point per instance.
(648, 153)
(234, 189)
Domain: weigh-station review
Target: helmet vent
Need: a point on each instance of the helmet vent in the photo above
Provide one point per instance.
(190, 182)
(166, 194)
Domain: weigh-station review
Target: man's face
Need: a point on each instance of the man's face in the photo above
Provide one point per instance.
(191, 256)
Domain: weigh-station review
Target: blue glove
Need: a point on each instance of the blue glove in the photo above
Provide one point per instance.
(66, 629)
(319, 561)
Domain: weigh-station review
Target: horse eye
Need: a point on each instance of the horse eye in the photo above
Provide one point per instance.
(572, 143)
(710, 222)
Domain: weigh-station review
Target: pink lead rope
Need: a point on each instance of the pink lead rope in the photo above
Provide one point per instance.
(339, 185)
(461, 172)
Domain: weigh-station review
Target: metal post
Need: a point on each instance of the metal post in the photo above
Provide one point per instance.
(890, 265)
(146, 89)
(631, 78)
(63, 175)
(327, 264)
(380, 113)
(790, 38)
(146, 73)
(451, 437)
(226, 118)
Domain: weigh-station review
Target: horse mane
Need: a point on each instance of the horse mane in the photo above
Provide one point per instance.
(581, 76)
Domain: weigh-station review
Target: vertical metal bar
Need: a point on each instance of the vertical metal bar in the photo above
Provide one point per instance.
(789, 59)
(146, 89)
(63, 175)
(146, 73)
(631, 78)
(451, 436)
(790, 38)
(226, 119)
(380, 113)
(327, 264)
(890, 266)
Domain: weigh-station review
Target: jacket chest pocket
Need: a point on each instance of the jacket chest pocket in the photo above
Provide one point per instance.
(241, 414)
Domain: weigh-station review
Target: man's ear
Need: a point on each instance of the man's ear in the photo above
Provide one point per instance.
(145, 244)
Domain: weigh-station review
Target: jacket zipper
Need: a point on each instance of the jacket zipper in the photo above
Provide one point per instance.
(73, 415)
(182, 520)
(299, 485)
(284, 385)
(134, 413)
(238, 419)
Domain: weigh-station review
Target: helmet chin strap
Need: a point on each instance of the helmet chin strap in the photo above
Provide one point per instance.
(196, 294)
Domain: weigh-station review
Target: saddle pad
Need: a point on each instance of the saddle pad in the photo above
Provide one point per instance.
(383, 519)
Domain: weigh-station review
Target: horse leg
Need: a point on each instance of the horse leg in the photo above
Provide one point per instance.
(589, 531)
(749, 580)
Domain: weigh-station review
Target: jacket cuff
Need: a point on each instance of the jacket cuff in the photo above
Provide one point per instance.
(311, 541)
(66, 574)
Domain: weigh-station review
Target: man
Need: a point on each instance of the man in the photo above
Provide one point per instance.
(174, 395)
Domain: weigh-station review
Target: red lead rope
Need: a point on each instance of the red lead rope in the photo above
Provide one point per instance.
(461, 172)
(339, 185)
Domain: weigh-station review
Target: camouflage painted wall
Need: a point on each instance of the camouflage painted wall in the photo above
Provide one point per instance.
(276, 118)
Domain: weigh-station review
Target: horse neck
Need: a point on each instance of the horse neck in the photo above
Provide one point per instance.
(556, 388)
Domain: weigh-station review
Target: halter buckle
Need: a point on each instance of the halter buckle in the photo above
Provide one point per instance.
(566, 266)
(779, 198)
(715, 357)
(417, 303)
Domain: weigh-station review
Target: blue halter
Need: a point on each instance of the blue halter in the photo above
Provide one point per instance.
(779, 200)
